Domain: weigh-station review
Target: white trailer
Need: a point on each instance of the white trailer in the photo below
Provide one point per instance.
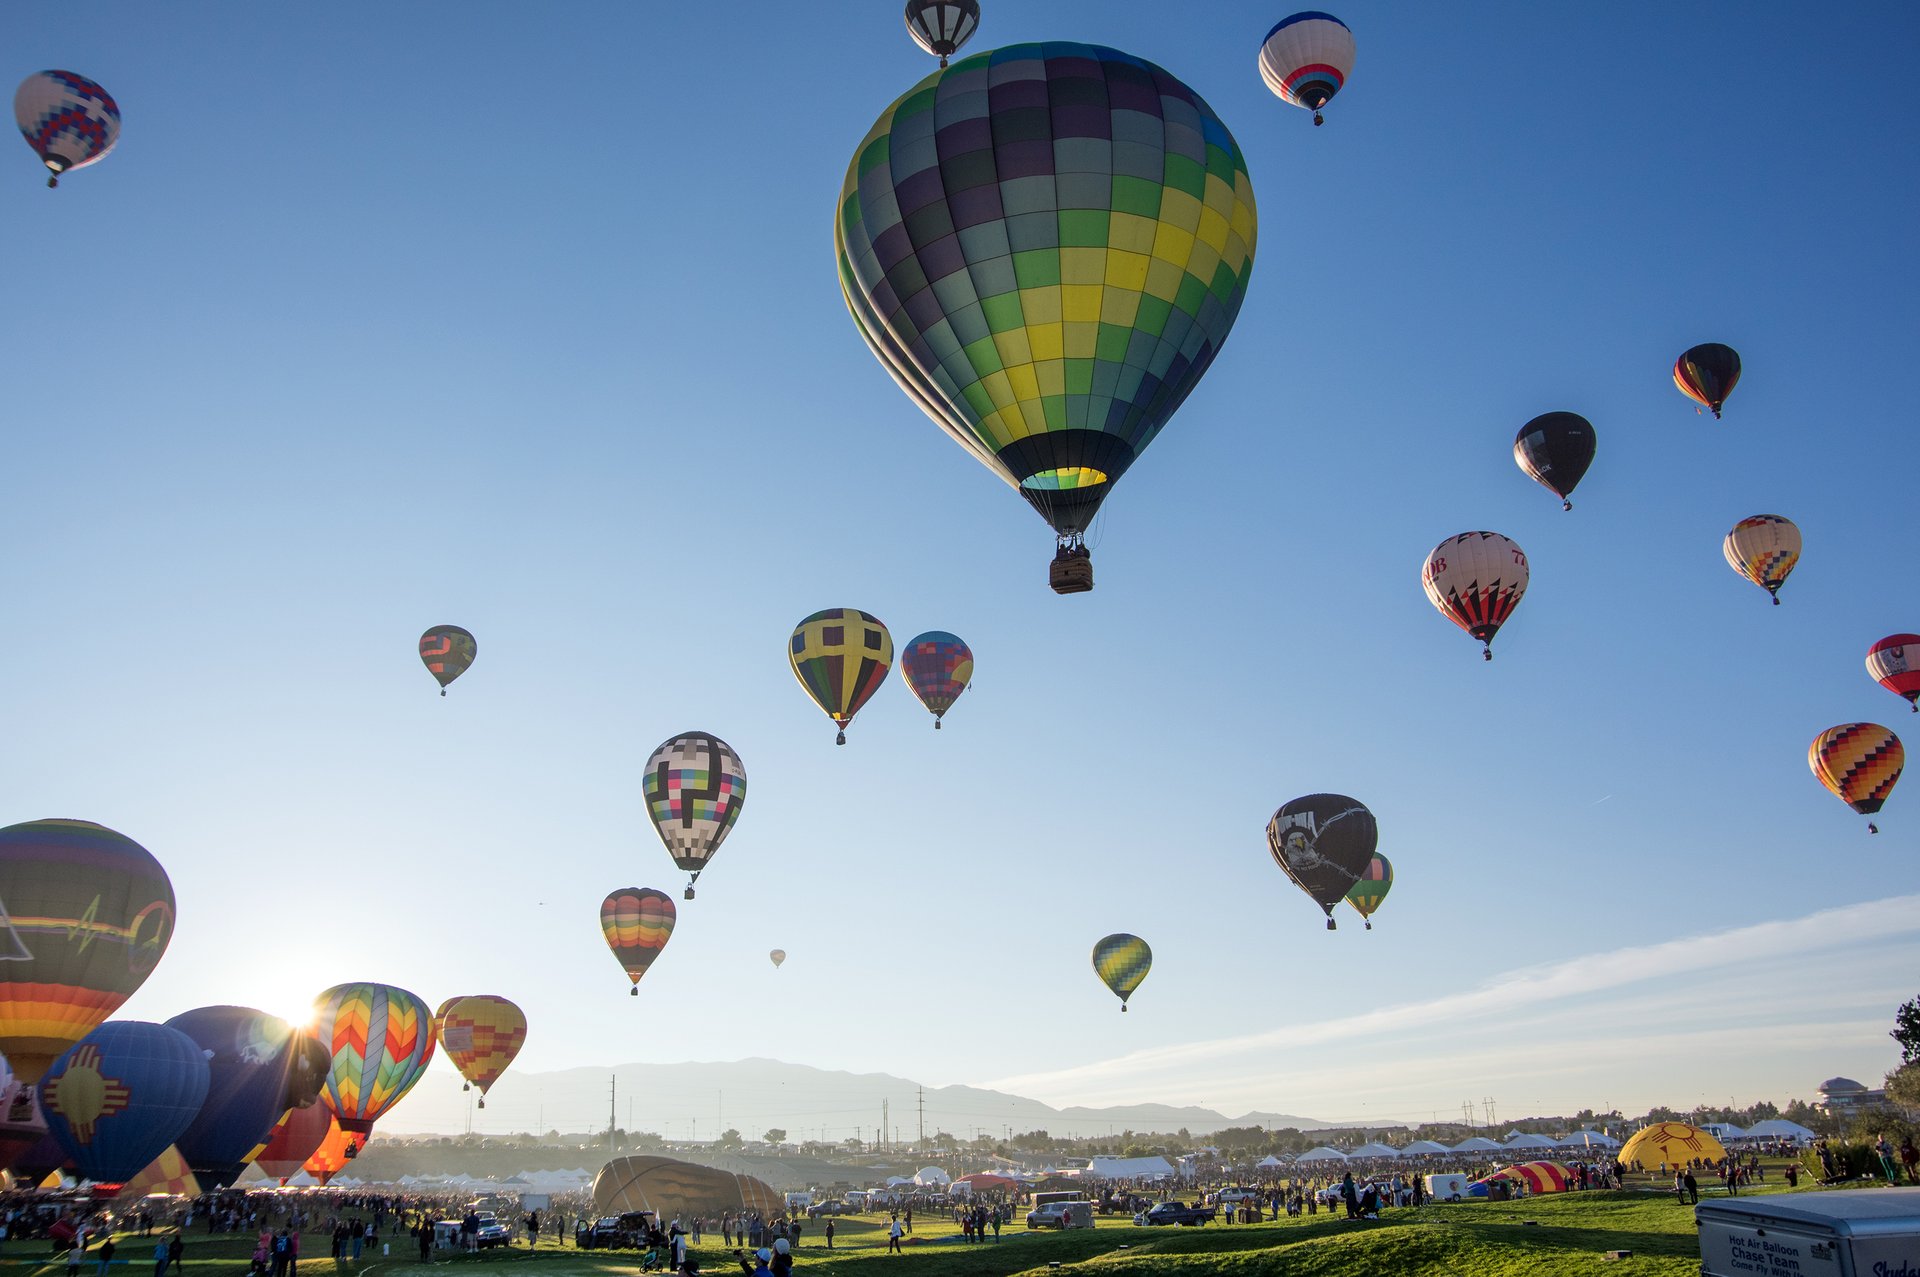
(1868, 1232)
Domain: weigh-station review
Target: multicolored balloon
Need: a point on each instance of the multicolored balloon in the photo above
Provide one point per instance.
(68, 120)
(167, 1175)
(937, 667)
(337, 1147)
(1707, 374)
(481, 1034)
(1306, 59)
(777, 956)
(637, 923)
(85, 914)
(380, 1039)
(120, 1095)
(841, 657)
(1764, 549)
(1324, 842)
(695, 787)
(1476, 579)
(440, 1016)
(447, 651)
(1046, 245)
(942, 26)
(1554, 450)
(1371, 888)
(1894, 663)
(1859, 763)
(293, 1140)
(1122, 962)
(259, 1066)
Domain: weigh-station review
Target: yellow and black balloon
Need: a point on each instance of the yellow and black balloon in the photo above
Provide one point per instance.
(1122, 962)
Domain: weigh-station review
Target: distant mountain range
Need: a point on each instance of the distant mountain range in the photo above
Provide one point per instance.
(753, 1096)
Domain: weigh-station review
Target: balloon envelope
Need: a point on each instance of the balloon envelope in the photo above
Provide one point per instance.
(937, 667)
(841, 657)
(481, 1034)
(447, 651)
(380, 1039)
(338, 1147)
(1046, 246)
(1476, 579)
(1324, 842)
(777, 956)
(68, 120)
(292, 1141)
(1306, 59)
(695, 787)
(637, 923)
(1554, 450)
(259, 1067)
(942, 26)
(1707, 374)
(1122, 962)
(118, 1097)
(1894, 663)
(85, 913)
(1764, 549)
(1859, 762)
(1372, 886)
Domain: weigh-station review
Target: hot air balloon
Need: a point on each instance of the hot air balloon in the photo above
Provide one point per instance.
(1555, 449)
(1476, 579)
(293, 1140)
(942, 26)
(259, 1067)
(338, 1147)
(1306, 59)
(1894, 663)
(841, 657)
(68, 120)
(777, 956)
(440, 1017)
(1764, 549)
(1707, 374)
(1122, 962)
(1859, 762)
(120, 1095)
(380, 1039)
(937, 667)
(1324, 842)
(695, 787)
(481, 1035)
(447, 651)
(1046, 245)
(85, 913)
(21, 1124)
(1371, 888)
(637, 922)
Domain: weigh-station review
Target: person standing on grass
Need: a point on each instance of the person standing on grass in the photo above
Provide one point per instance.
(160, 1259)
(893, 1237)
(177, 1253)
(106, 1252)
(829, 1232)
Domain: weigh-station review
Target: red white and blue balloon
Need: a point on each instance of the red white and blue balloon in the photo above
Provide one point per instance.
(1306, 59)
(68, 120)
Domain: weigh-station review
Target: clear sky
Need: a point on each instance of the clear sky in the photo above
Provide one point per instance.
(524, 318)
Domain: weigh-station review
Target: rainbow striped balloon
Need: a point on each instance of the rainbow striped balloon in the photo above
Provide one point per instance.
(381, 1039)
(637, 923)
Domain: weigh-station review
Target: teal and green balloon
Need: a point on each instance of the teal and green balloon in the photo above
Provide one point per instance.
(1122, 962)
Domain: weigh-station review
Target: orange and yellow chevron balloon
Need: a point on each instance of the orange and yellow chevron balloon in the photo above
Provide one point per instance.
(481, 1034)
(1859, 762)
(381, 1039)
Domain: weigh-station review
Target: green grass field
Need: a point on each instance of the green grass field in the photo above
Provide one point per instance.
(1564, 1235)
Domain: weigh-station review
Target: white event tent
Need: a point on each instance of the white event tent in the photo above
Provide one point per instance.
(1478, 1144)
(1375, 1150)
(1420, 1148)
(1775, 1128)
(1322, 1154)
(1589, 1139)
(1531, 1141)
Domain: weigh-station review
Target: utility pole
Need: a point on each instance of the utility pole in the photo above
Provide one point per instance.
(923, 1116)
(1492, 1121)
(885, 1122)
(1466, 1110)
(613, 1084)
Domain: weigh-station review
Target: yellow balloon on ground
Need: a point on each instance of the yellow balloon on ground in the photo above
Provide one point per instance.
(1674, 1143)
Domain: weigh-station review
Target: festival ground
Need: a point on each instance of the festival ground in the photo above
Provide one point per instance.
(1567, 1234)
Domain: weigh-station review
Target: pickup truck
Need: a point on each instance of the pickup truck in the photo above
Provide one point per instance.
(1175, 1213)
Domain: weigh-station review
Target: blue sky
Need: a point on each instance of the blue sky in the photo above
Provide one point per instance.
(525, 319)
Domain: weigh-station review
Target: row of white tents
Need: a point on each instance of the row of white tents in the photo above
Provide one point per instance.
(1583, 1141)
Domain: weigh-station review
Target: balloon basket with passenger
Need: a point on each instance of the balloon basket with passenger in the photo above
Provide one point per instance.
(1071, 571)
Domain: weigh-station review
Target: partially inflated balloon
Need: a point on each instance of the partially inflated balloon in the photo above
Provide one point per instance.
(481, 1034)
(380, 1039)
(1476, 579)
(1894, 663)
(777, 956)
(637, 923)
(1324, 842)
(1707, 374)
(1046, 245)
(1764, 549)
(1554, 450)
(1860, 763)
(1306, 59)
(338, 1147)
(447, 651)
(259, 1067)
(167, 1175)
(121, 1095)
(841, 657)
(1122, 962)
(85, 913)
(292, 1141)
(937, 666)
(68, 120)
(1371, 888)
(695, 787)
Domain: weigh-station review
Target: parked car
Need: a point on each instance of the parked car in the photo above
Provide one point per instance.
(1234, 1196)
(493, 1232)
(611, 1232)
(1061, 1215)
(818, 1209)
(1174, 1213)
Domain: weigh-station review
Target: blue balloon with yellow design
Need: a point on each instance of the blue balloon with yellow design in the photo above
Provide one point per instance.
(121, 1095)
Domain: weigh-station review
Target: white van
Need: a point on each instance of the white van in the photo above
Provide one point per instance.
(1867, 1232)
(797, 1203)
